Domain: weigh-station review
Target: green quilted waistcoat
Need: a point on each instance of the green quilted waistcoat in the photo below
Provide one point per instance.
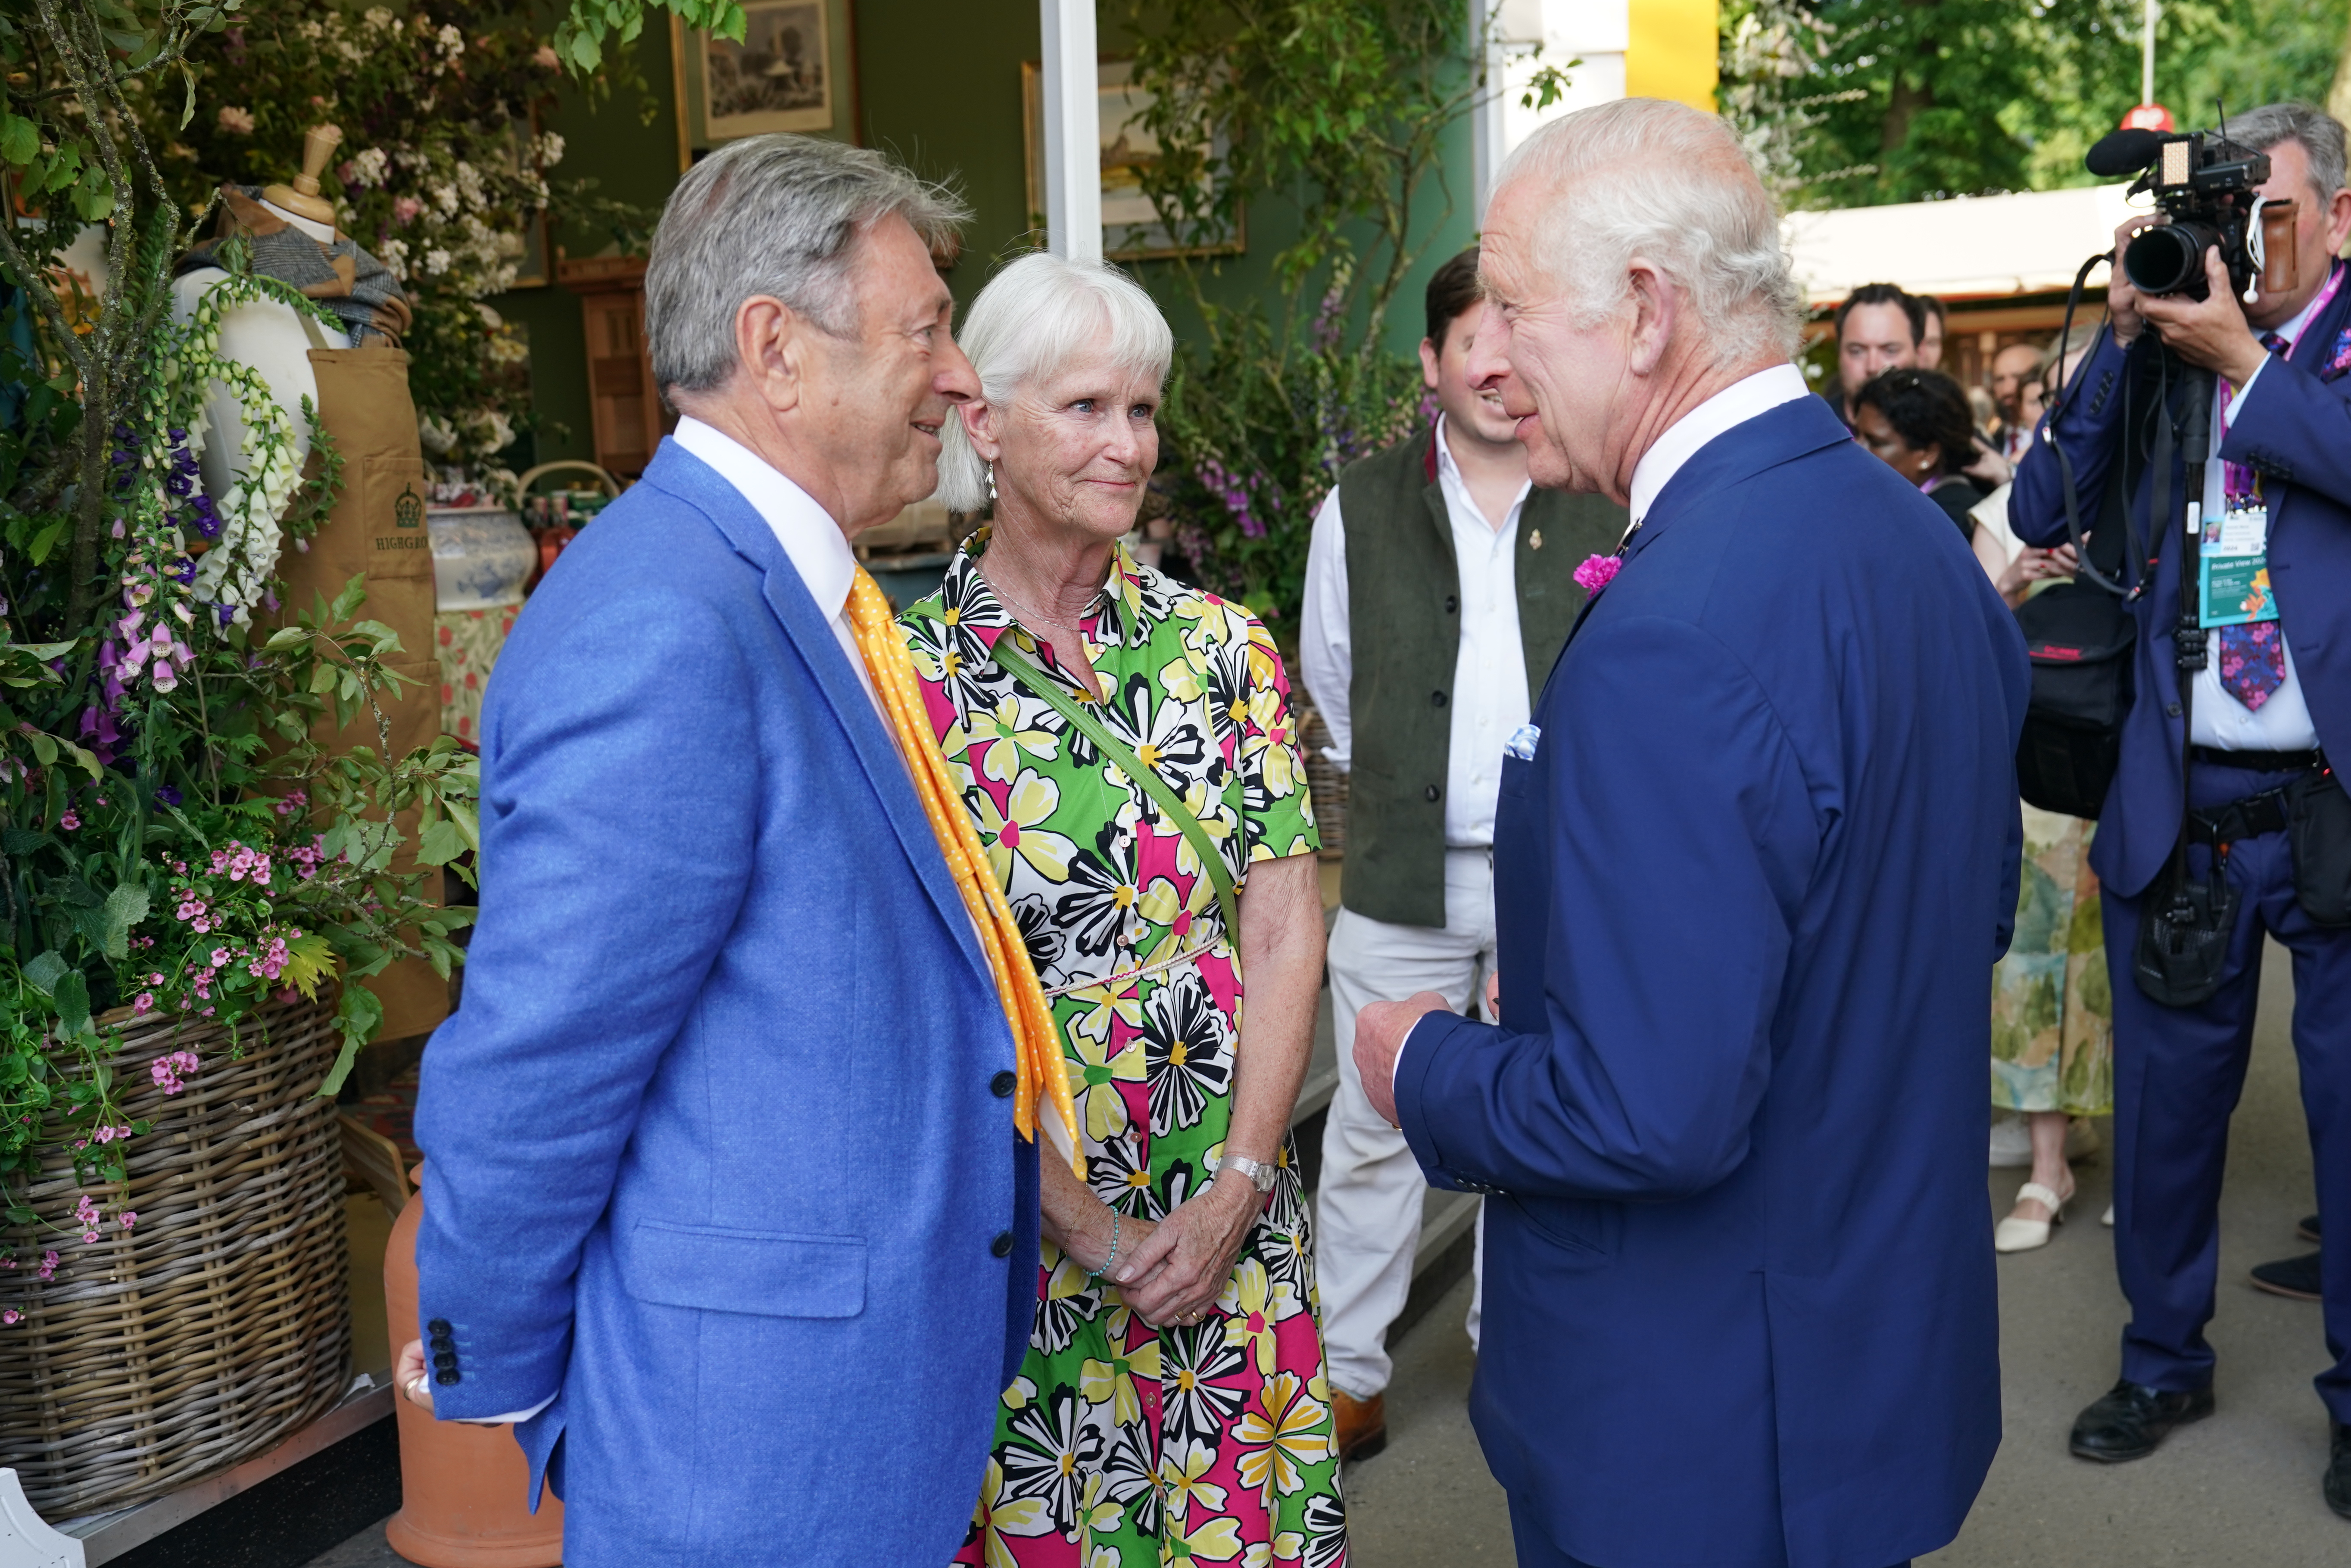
(1403, 610)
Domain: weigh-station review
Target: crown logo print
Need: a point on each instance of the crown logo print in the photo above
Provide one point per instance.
(408, 511)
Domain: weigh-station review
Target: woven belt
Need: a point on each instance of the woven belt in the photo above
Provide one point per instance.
(2258, 761)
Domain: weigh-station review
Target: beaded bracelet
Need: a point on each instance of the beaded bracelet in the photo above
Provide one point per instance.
(1098, 1273)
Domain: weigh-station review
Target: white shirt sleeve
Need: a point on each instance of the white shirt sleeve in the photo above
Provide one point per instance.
(1325, 648)
(512, 1417)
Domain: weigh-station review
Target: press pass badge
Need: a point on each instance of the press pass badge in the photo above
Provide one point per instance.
(2233, 565)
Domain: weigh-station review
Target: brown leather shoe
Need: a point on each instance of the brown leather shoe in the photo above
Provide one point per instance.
(1361, 1424)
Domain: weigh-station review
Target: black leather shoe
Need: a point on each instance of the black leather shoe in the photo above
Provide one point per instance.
(2131, 1421)
(2308, 1228)
(2295, 1277)
(2337, 1485)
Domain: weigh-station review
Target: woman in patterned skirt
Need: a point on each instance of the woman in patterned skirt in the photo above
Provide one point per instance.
(1172, 1404)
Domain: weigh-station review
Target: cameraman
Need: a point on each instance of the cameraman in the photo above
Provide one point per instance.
(2271, 698)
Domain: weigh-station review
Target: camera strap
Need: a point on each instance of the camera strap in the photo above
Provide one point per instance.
(2184, 928)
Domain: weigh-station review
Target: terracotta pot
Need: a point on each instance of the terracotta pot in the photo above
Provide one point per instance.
(462, 1487)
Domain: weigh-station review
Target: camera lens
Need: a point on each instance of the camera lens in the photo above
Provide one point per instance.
(2169, 258)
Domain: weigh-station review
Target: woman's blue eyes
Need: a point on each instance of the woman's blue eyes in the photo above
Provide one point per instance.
(1087, 406)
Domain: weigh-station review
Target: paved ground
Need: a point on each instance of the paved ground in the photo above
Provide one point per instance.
(2240, 1489)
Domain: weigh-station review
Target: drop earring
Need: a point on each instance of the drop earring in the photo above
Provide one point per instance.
(991, 490)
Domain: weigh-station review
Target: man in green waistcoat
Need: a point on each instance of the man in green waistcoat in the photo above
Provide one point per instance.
(1439, 588)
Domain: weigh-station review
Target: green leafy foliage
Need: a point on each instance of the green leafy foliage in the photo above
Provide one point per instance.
(1855, 102)
(1339, 107)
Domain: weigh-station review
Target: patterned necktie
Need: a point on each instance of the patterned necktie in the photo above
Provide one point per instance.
(1037, 1044)
(2252, 655)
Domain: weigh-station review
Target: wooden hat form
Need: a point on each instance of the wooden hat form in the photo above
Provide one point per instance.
(301, 198)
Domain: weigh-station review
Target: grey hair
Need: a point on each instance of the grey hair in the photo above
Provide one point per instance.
(1662, 181)
(776, 215)
(2319, 132)
(1033, 318)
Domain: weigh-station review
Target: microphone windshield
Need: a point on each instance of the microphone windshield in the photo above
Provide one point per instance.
(2120, 153)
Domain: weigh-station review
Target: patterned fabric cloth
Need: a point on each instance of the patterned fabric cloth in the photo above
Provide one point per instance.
(2252, 655)
(2052, 1016)
(467, 642)
(1123, 1445)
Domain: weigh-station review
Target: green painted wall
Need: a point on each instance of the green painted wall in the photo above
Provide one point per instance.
(938, 85)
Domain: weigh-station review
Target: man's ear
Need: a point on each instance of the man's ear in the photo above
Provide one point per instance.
(772, 350)
(1656, 307)
(2339, 221)
(1428, 363)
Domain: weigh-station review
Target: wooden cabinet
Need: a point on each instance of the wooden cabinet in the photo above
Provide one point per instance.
(627, 415)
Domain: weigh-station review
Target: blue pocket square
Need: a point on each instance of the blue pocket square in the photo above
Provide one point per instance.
(1523, 741)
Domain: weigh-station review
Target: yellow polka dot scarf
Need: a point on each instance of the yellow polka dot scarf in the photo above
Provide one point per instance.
(1037, 1044)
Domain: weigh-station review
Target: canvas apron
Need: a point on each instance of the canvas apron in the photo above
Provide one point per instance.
(377, 528)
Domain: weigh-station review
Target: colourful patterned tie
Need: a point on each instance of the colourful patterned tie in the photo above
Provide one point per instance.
(2252, 656)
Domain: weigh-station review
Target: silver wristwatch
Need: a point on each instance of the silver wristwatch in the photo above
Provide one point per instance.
(1260, 1173)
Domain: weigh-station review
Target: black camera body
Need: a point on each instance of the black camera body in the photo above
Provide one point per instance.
(2210, 189)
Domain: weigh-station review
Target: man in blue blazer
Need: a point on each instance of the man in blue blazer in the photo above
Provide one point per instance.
(724, 1203)
(1756, 856)
(2273, 702)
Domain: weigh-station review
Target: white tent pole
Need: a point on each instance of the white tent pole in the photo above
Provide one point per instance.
(2146, 56)
(1073, 130)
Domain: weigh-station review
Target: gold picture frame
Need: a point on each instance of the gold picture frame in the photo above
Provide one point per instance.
(791, 72)
(1131, 229)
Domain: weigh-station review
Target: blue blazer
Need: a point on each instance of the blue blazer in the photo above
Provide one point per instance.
(2296, 428)
(712, 1151)
(1740, 1304)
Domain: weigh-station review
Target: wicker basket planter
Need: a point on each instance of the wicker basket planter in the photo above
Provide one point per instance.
(222, 1321)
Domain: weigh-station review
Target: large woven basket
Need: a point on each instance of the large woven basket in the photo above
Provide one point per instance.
(1326, 784)
(222, 1321)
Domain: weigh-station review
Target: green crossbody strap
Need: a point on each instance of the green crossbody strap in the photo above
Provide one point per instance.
(1119, 752)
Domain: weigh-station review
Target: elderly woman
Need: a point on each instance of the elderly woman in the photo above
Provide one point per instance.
(1172, 1401)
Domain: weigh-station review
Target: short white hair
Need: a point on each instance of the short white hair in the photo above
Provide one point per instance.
(1647, 177)
(1036, 316)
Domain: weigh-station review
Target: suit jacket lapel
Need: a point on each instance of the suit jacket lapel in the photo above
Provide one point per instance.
(681, 474)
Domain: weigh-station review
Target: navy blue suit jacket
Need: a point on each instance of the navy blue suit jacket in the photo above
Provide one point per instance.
(711, 1150)
(2296, 428)
(1740, 1303)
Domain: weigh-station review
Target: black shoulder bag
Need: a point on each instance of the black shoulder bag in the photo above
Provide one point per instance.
(2080, 634)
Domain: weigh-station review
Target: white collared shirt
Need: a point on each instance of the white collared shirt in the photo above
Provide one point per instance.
(1733, 406)
(2216, 719)
(813, 542)
(1488, 695)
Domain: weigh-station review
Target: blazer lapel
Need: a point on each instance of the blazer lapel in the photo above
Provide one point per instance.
(680, 473)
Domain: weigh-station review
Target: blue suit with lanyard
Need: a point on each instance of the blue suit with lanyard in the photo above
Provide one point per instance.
(2178, 1070)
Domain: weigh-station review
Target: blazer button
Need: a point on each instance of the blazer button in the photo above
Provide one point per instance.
(446, 1361)
(1002, 1245)
(447, 1376)
(438, 1328)
(2172, 708)
(1452, 604)
(1437, 699)
(1432, 793)
(1003, 1084)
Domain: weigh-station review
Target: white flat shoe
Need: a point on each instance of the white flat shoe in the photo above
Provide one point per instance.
(2014, 1235)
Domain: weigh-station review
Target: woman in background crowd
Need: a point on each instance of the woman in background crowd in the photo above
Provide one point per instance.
(1173, 1406)
(1918, 422)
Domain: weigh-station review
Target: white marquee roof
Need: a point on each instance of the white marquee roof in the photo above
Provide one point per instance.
(1970, 246)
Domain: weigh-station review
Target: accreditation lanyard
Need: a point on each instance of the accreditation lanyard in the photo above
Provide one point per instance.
(2233, 566)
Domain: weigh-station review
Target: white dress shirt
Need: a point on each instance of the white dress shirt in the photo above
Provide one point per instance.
(1489, 673)
(2215, 718)
(813, 542)
(818, 550)
(1734, 405)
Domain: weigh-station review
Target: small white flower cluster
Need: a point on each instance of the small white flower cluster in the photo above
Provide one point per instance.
(370, 167)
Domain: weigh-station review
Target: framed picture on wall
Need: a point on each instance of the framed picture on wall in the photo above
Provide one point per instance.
(1131, 227)
(790, 72)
